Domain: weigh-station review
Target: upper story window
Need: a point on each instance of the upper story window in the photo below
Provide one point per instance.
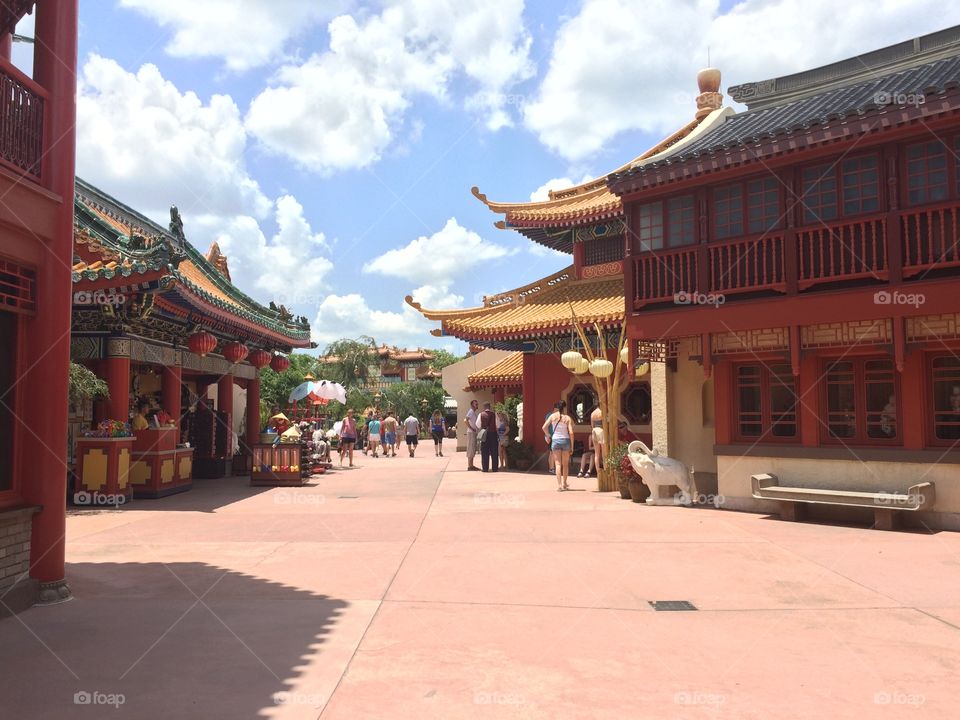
(818, 194)
(926, 172)
(763, 205)
(666, 224)
(728, 211)
(746, 208)
(851, 185)
(861, 184)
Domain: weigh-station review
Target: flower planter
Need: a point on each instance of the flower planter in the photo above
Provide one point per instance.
(638, 491)
(624, 489)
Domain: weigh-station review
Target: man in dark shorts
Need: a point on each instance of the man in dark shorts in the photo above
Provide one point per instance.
(411, 428)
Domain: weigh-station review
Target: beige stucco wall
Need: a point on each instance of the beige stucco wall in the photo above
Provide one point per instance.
(870, 476)
(454, 380)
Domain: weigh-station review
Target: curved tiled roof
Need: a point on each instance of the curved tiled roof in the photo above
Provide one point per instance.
(838, 105)
(541, 308)
(508, 371)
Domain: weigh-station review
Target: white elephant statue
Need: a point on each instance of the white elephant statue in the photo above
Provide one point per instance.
(659, 470)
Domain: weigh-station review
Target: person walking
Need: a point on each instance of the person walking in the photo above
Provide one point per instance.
(471, 423)
(503, 433)
(411, 429)
(438, 428)
(390, 434)
(551, 456)
(373, 434)
(365, 432)
(558, 431)
(489, 458)
(348, 436)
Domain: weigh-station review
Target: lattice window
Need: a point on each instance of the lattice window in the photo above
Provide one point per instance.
(819, 194)
(603, 250)
(650, 226)
(860, 397)
(926, 172)
(765, 398)
(728, 211)
(681, 221)
(763, 205)
(945, 382)
(18, 287)
(861, 185)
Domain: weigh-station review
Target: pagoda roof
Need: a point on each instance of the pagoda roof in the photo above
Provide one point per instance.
(113, 242)
(548, 222)
(505, 372)
(838, 106)
(535, 310)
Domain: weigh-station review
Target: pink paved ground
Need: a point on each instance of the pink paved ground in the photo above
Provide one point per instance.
(437, 593)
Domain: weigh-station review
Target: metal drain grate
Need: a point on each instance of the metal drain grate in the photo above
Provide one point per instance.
(671, 605)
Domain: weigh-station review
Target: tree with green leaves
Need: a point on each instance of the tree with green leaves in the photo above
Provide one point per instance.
(348, 361)
(443, 358)
(85, 385)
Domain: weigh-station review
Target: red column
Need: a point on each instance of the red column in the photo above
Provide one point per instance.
(47, 351)
(253, 411)
(118, 380)
(170, 391)
(225, 397)
(531, 425)
(912, 423)
(6, 46)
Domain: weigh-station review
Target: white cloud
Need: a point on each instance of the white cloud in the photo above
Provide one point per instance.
(243, 33)
(163, 147)
(645, 77)
(350, 316)
(342, 108)
(439, 259)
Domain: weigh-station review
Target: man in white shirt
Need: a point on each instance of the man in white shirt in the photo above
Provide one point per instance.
(411, 428)
(471, 421)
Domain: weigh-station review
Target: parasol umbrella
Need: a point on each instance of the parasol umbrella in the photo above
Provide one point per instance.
(300, 391)
(327, 390)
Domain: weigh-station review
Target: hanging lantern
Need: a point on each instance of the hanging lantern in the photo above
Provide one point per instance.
(601, 368)
(260, 358)
(582, 366)
(201, 343)
(570, 359)
(643, 368)
(235, 352)
(279, 363)
(625, 355)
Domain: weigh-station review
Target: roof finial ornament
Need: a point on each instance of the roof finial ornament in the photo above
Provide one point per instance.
(710, 98)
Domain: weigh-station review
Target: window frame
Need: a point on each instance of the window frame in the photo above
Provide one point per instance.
(930, 401)
(11, 495)
(835, 169)
(666, 222)
(746, 219)
(861, 413)
(767, 380)
(949, 170)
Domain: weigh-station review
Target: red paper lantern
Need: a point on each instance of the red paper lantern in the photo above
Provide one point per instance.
(260, 358)
(279, 363)
(235, 352)
(201, 343)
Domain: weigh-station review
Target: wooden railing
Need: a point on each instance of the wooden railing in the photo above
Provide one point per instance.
(21, 120)
(842, 251)
(747, 265)
(929, 239)
(659, 275)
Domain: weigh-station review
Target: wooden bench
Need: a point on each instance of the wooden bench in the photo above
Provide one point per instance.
(886, 506)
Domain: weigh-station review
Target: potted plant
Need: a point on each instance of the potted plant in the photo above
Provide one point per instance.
(520, 455)
(615, 457)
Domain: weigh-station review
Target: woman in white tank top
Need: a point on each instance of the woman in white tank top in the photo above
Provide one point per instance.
(560, 441)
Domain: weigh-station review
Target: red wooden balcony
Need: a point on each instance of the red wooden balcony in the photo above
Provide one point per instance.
(747, 265)
(22, 104)
(929, 239)
(660, 274)
(842, 251)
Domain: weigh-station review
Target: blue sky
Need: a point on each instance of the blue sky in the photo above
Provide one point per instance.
(330, 147)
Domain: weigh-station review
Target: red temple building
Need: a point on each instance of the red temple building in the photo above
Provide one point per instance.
(797, 271)
(157, 319)
(37, 157)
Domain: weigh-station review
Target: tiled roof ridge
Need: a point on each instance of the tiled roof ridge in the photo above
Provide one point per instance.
(506, 369)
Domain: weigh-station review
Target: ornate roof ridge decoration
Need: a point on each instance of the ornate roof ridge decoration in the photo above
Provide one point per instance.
(218, 259)
(899, 56)
(164, 250)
